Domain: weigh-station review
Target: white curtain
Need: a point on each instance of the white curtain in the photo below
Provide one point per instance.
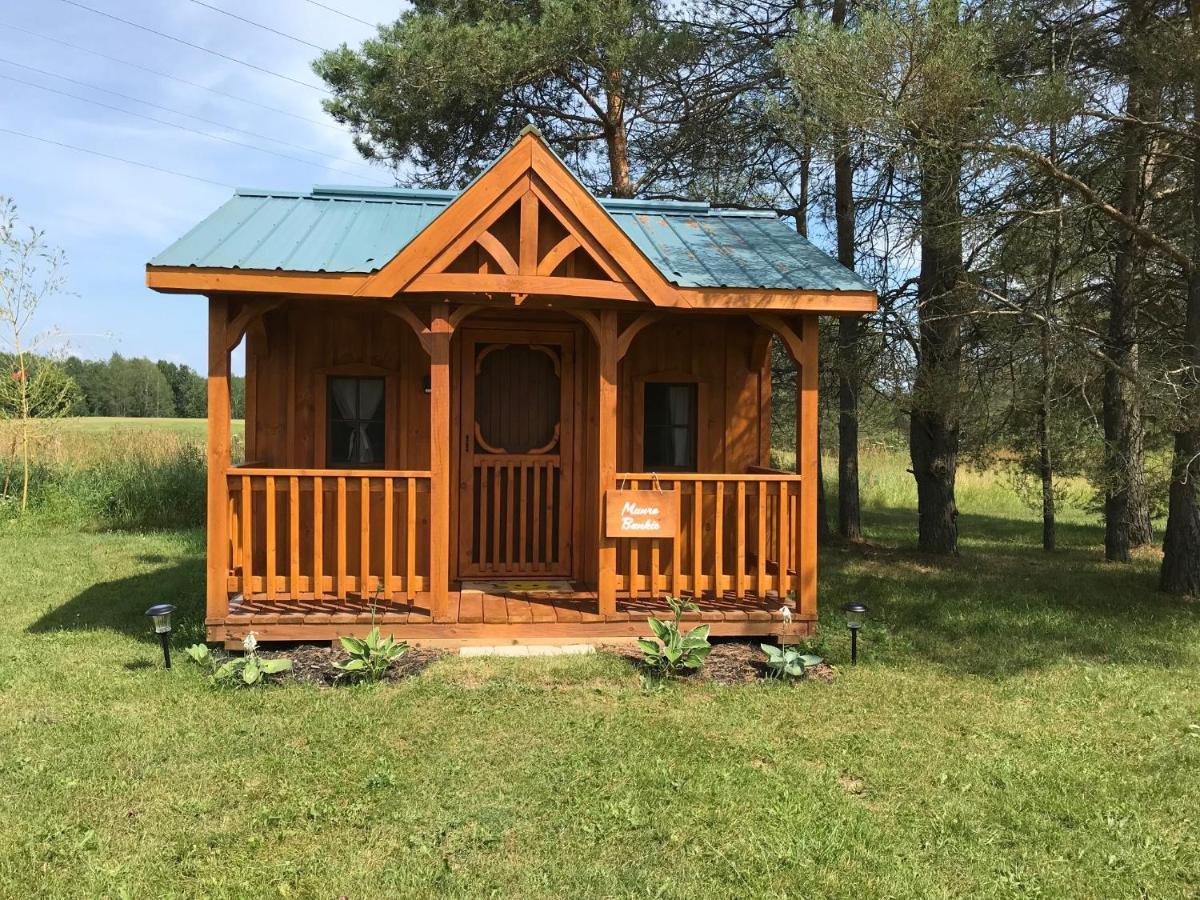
(358, 399)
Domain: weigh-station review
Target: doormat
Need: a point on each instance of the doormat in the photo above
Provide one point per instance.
(521, 585)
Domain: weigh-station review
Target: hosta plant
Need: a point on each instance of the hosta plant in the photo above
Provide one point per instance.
(788, 663)
(370, 657)
(247, 670)
(675, 652)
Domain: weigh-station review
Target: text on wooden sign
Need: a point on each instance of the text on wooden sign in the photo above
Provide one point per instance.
(644, 514)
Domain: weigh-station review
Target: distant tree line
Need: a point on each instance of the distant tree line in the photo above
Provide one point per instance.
(139, 387)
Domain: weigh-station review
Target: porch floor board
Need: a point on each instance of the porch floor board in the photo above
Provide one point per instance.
(473, 607)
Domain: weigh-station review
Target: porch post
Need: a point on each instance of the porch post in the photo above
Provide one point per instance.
(807, 423)
(440, 332)
(606, 454)
(218, 460)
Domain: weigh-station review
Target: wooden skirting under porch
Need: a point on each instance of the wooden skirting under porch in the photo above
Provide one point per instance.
(477, 617)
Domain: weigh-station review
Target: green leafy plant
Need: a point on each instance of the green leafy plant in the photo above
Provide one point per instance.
(370, 657)
(249, 669)
(674, 651)
(788, 663)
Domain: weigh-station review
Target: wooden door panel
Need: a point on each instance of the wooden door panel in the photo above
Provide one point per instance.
(516, 454)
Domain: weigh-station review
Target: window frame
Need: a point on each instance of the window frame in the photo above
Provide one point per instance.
(393, 413)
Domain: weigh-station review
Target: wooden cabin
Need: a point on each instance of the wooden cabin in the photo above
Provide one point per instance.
(515, 413)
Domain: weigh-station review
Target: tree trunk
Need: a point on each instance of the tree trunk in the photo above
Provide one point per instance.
(617, 138)
(1126, 508)
(1046, 394)
(1045, 461)
(849, 377)
(934, 422)
(1180, 572)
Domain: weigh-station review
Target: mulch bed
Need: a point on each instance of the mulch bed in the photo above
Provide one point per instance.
(315, 665)
(730, 662)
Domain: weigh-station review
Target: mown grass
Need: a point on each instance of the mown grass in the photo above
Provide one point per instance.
(1020, 725)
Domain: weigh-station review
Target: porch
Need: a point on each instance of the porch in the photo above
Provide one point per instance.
(314, 554)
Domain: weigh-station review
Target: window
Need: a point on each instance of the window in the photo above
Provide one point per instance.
(669, 429)
(355, 415)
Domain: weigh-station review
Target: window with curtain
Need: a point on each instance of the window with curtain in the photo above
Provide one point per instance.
(355, 414)
(669, 428)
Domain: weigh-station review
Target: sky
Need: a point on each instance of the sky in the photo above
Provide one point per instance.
(111, 217)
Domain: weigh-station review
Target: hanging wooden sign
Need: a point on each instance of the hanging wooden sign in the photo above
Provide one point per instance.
(641, 514)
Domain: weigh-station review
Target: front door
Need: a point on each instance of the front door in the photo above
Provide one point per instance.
(516, 433)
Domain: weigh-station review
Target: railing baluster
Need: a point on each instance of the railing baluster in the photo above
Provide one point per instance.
(538, 523)
(718, 540)
(270, 573)
(247, 537)
(293, 536)
(364, 545)
(340, 524)
(677, 546)
(483, 479)
(782, 529)
(510, 556)
(739, 540)
(523, 489)
(697, 539)
(318, 566)
(389, 537)
(410, 551)
(760, 578)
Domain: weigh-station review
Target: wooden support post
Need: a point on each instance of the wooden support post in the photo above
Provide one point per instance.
(607, 457)
(218, 460)
(440, 332)
(806, 465)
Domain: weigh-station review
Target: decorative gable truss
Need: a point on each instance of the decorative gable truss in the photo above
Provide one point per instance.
(525, 227)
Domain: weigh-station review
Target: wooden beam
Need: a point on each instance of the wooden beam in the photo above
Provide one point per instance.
(191, 280)
(402, 310)
(633, 329)
(528, 249)
(807, 417)
(781, 327)
(557, 254)
(769, 300)
(440, 333)
(606, 455)
(588, 318)
(498, 252)
(252, 311)
(474, 283)
(218, 460)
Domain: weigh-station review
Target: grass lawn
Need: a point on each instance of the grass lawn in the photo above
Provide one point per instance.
(126, 426)
(1020, 725)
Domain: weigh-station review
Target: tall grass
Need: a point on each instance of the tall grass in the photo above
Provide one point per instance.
(142, 479)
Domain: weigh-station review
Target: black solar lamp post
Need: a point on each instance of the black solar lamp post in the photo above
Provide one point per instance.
(855, 612)
(161, 614)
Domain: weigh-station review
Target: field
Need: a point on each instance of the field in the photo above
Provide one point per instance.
(1019, 725)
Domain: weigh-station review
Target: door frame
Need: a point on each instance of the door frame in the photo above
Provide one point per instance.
(566, 335)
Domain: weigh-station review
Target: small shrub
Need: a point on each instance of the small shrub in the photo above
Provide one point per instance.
(247, 670)
(370, 657)
(788, 663)
(675, 652)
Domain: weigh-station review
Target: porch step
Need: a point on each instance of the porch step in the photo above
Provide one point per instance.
(529, 650)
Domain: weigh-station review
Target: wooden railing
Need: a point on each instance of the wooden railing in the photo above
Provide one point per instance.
(736, 534)
(328, 533)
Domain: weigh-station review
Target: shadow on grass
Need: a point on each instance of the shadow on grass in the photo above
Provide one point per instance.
(1003, 606)
(120, 605)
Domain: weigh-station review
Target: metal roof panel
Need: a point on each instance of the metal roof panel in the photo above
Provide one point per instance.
(354, 229)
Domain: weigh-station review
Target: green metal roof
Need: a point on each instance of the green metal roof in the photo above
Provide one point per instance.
(352, 229)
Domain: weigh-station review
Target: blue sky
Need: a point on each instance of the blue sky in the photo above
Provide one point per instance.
(111, 217)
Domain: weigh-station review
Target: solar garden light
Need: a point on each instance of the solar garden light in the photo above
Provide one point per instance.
(161, 614)
(855, 612)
